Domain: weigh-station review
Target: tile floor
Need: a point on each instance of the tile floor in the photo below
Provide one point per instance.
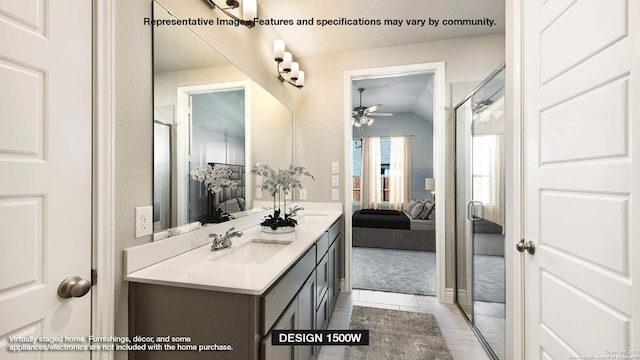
(462, 343)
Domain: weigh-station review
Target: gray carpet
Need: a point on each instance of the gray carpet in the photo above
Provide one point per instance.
(488, 278)
(395, 334)
(401, 271)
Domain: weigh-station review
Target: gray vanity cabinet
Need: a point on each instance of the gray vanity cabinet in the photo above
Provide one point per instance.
(334, 255)
(299, 315)
(302, 298)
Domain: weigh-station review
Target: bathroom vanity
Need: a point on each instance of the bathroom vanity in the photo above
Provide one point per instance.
(236, 296)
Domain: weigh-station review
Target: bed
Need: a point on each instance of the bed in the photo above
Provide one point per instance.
(391, 229)
(231, 200)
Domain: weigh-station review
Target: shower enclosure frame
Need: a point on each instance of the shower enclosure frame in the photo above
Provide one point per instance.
(471, 321)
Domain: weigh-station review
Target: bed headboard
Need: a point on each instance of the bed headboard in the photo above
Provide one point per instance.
(237, 175)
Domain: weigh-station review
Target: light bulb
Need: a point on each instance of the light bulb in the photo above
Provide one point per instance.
(278, 50)
(286, 63)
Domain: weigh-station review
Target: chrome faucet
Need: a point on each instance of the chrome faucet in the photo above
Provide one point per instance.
(223, 242)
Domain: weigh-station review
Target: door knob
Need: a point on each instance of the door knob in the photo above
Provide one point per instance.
(529, 246)
(73, 286)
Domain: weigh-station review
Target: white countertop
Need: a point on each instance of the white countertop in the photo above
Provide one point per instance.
(199, 269)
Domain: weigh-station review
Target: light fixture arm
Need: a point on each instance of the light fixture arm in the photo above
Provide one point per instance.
(232, 4)
(282, 78)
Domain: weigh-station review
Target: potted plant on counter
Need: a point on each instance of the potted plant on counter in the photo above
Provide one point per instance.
(279, 184)
(215, 179)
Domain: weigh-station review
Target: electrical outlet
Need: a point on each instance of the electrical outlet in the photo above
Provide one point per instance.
(335, 180)
(144, 221)
(335, 194)
(303, 194)
(258, 193)
(335, 167)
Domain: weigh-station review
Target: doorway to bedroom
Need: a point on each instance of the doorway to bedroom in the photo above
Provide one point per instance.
(393, 223)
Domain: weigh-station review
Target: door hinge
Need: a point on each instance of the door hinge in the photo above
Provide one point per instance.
(94, 277)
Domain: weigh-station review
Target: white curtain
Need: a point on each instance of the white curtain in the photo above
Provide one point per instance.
(400, 172)
(488, 170)
(370, 190)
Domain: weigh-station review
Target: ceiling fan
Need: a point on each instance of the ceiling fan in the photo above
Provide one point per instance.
(363, 115)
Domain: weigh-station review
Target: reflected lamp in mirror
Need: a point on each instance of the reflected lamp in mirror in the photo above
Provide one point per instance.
(286, 66)
(249, 11)
(430, 184)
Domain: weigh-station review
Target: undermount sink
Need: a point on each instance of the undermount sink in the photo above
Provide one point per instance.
(255, 251)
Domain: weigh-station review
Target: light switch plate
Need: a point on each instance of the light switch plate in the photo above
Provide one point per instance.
(335, 180)
(335, 167)
(303, 194)
(335, 194)
(144, 221)
(258, 193)
(259, 180)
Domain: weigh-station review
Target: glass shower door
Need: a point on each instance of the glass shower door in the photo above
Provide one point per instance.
(480, 207)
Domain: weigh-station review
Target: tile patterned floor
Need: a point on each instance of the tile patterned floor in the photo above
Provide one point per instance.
(462, 343)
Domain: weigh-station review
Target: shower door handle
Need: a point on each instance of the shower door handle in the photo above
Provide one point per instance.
(471, 210)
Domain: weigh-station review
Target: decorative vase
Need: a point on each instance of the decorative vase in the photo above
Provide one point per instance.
(278, 230)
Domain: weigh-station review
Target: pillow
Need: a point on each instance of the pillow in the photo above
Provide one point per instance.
(241, 204)
(432, 216)
(410, 205)
(230, 206)
(427, 210)
(416, 210)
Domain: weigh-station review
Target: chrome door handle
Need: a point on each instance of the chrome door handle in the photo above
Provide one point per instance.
(471, 210)
(74, 286)
(529, 246)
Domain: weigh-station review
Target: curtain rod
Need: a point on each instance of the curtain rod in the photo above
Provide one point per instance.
(382, 137)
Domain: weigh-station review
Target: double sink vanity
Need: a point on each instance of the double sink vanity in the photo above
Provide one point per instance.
(234, 297)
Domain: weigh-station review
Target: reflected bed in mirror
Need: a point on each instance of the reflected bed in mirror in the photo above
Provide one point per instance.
(207, 111)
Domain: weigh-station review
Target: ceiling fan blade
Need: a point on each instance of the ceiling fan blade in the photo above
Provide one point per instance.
(380, 114)
(373, 108)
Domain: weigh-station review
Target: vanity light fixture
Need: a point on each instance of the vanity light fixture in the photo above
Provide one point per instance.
(249, 11)
(286, 66)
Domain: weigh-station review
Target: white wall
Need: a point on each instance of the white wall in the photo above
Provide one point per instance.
(320, 107)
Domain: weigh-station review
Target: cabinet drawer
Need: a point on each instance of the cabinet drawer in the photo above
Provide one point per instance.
(335, 230)
(322, 277)
(322, 245)
(276, 299)
(322, 314)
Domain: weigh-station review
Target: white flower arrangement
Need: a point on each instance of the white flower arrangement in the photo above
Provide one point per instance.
(279, 183)
(214, 178)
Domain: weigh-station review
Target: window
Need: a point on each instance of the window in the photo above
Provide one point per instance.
(385, 164)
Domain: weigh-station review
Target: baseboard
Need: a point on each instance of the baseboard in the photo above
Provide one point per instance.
(448, 296)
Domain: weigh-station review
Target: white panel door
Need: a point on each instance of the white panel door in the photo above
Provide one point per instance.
(582, 138)
(45, 170)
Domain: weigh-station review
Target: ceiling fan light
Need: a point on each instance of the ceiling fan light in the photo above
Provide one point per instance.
(357, 124)
(370, 122)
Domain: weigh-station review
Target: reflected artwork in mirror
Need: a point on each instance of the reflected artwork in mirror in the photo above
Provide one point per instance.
(207, 112)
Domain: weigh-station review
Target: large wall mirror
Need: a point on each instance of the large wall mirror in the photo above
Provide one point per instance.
(207, 111)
